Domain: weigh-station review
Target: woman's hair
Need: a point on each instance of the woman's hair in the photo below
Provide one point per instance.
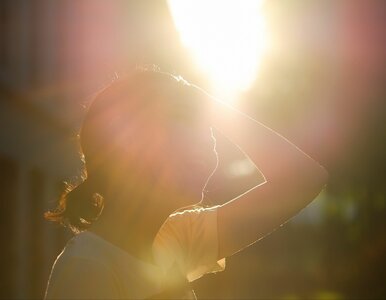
(82, 202)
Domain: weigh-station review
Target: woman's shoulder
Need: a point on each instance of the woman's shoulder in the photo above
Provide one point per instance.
(194, 209)
(82, 265)
(82, 246)
(189, 220)
(86, 248)
(81, 277)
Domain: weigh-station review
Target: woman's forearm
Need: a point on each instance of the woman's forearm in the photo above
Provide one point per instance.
(278, 159)
(293, 179)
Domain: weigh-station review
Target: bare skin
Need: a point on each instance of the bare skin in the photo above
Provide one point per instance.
(293, 180)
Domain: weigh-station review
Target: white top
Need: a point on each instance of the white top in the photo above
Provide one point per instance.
(185, 248)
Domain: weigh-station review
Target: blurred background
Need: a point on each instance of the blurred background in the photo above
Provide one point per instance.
(314, 71)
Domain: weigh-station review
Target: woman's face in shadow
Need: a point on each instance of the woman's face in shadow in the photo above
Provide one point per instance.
(166, 153)
(190, 159)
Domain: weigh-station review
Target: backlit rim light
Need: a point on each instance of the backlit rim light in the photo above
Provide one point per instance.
(226, 38)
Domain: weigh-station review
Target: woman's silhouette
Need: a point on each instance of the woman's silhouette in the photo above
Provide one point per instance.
(141, 231)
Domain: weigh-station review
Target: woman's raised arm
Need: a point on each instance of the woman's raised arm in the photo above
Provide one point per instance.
(293, 179)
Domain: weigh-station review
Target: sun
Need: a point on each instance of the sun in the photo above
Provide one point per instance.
(227, 39)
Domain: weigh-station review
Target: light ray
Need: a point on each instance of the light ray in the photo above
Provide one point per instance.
(226, 38)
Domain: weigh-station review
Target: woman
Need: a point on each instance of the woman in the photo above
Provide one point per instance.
(141, 231)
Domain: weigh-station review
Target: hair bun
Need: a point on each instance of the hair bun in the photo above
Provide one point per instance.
(79, 206)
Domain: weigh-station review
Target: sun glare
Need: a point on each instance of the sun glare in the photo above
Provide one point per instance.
(226, 38)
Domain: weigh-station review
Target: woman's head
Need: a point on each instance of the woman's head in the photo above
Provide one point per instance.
(144, 134)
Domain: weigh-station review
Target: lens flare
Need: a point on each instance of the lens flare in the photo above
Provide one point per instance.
(226, 38)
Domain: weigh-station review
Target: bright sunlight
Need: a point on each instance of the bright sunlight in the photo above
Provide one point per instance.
(226, 38)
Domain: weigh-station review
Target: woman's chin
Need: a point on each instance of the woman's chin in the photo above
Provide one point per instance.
(189, 197)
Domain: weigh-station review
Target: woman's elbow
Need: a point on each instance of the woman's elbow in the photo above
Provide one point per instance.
(318, 179)
(323, 176)
(305, 182)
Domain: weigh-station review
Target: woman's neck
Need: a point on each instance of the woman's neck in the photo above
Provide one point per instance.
(131, 230)
(132, 217)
